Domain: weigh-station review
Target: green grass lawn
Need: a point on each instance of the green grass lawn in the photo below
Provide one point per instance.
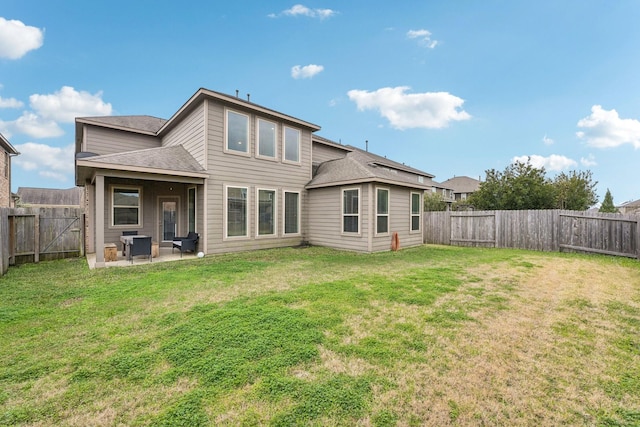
(311, 336)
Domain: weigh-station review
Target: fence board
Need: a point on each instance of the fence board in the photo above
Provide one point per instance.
(541, 230)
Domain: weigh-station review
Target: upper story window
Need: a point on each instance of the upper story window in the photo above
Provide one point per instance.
(382, 211)
(351, 210)
(126, 205)
(291, 145)
(266, 138)
(237, 132)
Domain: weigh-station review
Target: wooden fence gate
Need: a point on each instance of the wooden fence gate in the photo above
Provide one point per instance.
(38, 234)
(542, 230)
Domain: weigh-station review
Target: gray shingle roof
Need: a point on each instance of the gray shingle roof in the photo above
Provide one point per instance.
(361, 166)
(139, 123)
(462, 184)
(171, 158)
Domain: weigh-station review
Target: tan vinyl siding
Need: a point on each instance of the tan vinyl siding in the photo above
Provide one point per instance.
(109, 141)
(190, 134)
(325, 219)
(399, 221)
(251, 172)
(323, 153)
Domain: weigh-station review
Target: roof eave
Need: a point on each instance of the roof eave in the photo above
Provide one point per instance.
(129, 168)
(367, 180)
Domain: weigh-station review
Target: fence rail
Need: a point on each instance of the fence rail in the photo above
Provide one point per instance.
(541, 230)
(35, 234)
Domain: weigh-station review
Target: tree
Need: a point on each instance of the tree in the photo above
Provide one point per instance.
(607, 203)
(434, 202)
(575, 191)
(520, 186)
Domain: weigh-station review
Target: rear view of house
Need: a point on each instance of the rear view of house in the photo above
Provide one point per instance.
(243, 177)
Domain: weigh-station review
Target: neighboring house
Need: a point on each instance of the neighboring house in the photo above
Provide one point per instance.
(631, 207)
(446, 192)
(6, 199)
(462, 186)
(243, 177)
(50, 197)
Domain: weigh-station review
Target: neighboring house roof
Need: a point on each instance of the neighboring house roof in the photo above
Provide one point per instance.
(50, 196)
(171, 160)
(361, 166)
(462, 184)
(629, 207)
(437, 184)
(6, 146)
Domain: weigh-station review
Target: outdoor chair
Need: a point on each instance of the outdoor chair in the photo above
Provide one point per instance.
(140, 246)
(124, 245)
(187, 243)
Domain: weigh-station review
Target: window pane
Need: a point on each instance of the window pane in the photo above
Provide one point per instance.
(266, 138)
(237, 132)
(350, 224)
(383, 201)
(236, 212)
(291, 213)
(126, 197)
(291, 144)
(192, 209)
(415, 203)
(415, 222)
(125, 216)
(383, 224)
(266, 206)
(350, 202)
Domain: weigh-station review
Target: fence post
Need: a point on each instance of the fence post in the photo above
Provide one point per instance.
(36, 238)
(637, 237)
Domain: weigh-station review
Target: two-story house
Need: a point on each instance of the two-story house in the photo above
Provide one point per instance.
(243, 177)
(5, 172)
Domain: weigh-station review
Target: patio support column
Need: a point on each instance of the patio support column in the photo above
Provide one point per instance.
(99, 221)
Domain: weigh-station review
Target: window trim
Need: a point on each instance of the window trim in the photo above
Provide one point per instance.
(411, 214)
(298, 214)
(384, 233)
(284, 145)
(226, 213)
(226, 149)
(112, 189)
(275, 213)
(357, 215)
(275, 139)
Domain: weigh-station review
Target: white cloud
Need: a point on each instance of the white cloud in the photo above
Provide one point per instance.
(16, 39)
(10, 103)
(423, 37)
(547, 141)
(301, 10)
(50, 162)
(305, 72)
(33, 125)
(67, 104)
(417, 110)
(605, 129)
(588, 161)
(554, 162)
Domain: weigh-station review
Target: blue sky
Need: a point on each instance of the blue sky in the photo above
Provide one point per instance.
(449, 87)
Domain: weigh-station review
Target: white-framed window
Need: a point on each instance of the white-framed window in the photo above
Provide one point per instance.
(191, 208)
(291, 212)
(291, 145)
(266, 207)
(126, 205)
(351, 210)
(237, 135)
(382, 210)
(266, 140)
(463, 196)
(415, 211)
(236, 211)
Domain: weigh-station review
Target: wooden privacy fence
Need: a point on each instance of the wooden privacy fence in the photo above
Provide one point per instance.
(541, 230)
(35, 234)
